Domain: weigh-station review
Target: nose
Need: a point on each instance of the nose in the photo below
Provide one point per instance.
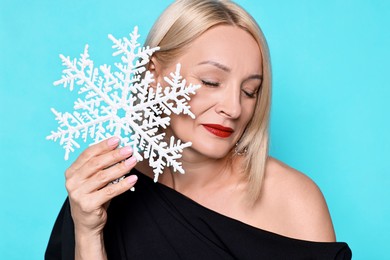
(229, 103)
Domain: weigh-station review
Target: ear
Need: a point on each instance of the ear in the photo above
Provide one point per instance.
(154, 68)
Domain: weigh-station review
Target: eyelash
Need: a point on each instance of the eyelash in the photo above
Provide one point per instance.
(210, 83)
(217, 84)
(250, 95)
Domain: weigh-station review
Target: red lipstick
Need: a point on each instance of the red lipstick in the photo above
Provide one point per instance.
(218, 130)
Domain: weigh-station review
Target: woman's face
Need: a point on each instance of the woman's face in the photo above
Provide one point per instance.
(226, 61)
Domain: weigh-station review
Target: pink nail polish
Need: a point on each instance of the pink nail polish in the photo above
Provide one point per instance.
(131, 161)
(126, 150)
(113, 141)
(132, 178)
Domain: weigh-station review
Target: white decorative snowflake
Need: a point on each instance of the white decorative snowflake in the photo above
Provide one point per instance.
(122, 103)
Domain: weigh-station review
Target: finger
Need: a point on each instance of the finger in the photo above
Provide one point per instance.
(105, 177)
(97, 166)
(95, 150)
(105, 194)
(102, 162)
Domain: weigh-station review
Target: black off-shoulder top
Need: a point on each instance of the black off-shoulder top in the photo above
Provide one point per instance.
(157, 222)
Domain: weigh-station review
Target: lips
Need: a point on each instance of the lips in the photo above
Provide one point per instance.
(219, 130)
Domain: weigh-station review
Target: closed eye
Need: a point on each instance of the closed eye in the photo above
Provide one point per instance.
(250, 94)
(210, 83)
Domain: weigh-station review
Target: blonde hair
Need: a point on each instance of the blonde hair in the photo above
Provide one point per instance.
(185, 20)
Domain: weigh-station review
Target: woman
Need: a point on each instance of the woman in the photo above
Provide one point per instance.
(233, 202)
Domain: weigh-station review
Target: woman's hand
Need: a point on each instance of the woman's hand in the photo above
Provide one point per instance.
(88, 182)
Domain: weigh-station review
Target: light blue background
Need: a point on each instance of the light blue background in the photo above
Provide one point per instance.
(330, 114)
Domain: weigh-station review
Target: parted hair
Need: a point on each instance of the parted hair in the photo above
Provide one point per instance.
(185, 20)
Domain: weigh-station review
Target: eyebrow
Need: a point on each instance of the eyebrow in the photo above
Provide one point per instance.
(227, 69)
(216, 64)
(255, 76)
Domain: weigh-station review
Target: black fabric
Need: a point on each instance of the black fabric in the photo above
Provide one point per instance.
(157, 222)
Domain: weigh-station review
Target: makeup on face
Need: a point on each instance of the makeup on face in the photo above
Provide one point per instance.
(226, 61)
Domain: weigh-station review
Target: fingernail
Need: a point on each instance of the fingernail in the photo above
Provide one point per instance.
(113, 141)
(132, 178)
(131, 161)
(126, 150)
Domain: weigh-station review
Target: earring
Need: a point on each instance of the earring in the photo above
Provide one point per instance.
(242, 152)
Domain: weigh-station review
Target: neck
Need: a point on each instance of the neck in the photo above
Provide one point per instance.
(203, 173)
(200, 174)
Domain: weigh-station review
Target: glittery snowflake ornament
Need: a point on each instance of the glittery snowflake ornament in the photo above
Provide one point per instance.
(121, 102)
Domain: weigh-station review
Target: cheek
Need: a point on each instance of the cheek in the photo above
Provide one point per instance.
(248, 113)
(181, 126)
(201, 102)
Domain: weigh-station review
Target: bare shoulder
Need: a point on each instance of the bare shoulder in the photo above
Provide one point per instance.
(294, 204)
